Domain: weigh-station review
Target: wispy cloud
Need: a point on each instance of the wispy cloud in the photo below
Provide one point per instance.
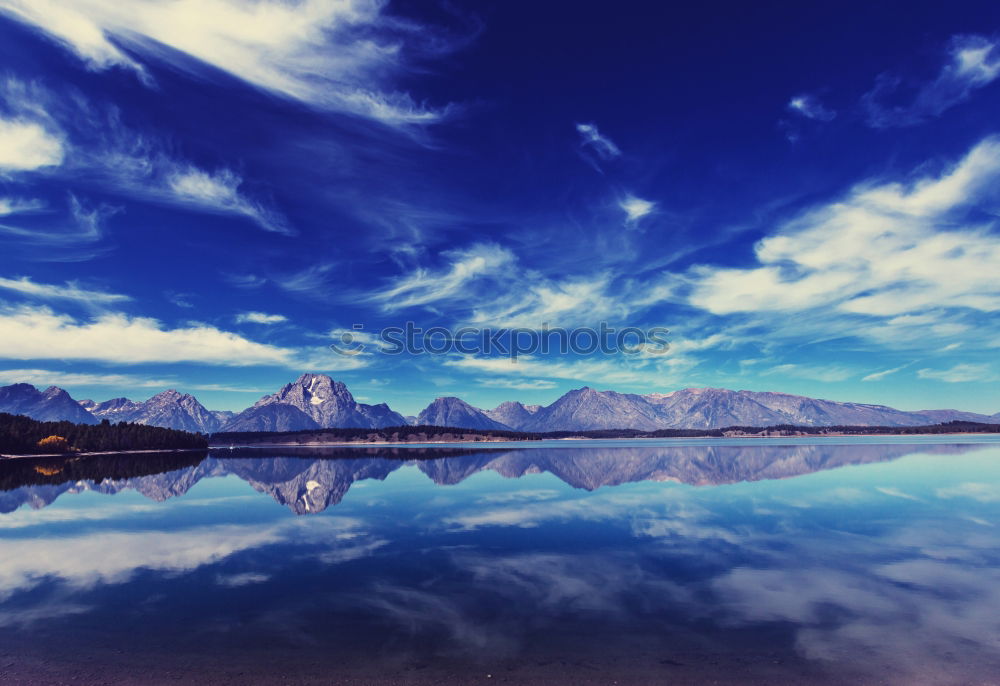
(334, 55)
(517, 384)
(810, 107)
(878, 376)
(427, 286)
(260, 318)
(960, 373)
(76, 238)
(593, 140)
(974, 62)
(69, 291)
(219, 192)
(99, 149)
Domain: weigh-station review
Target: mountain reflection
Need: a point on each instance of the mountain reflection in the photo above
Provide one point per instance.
(311, 480)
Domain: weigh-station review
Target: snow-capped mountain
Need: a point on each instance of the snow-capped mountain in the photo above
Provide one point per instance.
(169, 409)
(321, 403)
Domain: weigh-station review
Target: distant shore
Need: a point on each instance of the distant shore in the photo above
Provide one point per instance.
(342, 444)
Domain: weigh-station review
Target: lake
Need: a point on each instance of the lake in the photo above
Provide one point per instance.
(830, 561)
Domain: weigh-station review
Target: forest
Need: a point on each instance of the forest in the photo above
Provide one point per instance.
(20, 435)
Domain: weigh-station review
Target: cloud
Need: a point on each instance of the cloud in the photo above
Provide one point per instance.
(79, 240)
(878, 376)
(336, 55)
(260, 318)
(26, 145)
(424, 287)
(526, 385)
(18, 205)
(219, 192)
(101, 150)
(974, 63)
(28, 333)
(810, 108)
(611, 370)
(46, 377)
(960, 373)
(635, 208)
(885, 249)
(69, 291)
(828, 373)
(592, 139)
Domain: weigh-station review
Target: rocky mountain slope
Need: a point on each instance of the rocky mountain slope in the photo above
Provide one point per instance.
(320, 401)
(457, 413)
(51, 405)
(168, 409)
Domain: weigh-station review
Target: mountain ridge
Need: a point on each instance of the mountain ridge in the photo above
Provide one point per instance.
(315, 401)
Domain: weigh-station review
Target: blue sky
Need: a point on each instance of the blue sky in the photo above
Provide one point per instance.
(195, 195)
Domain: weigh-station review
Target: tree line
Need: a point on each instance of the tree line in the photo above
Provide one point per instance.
(20, 435)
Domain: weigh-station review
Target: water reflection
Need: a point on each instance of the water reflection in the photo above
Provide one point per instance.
(311, 480)
(875, 564)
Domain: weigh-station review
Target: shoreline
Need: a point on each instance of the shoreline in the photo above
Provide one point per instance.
(342, 444)
(350, 444)
(103, 452)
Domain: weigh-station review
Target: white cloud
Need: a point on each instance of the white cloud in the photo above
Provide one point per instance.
(260, 318)
(219, 192)
(106, 152)
(974, 63)
(28, 333)
(26, 145)
(635, 208)
(810, 108)
(960, 373)
(423, 286)
(592, 138)
(885, 249)
(327, 53)
(827, 373)
(69, 291)
(878, 376)
(17, 205)
(646, 372)
(525, 385)
(46, 377)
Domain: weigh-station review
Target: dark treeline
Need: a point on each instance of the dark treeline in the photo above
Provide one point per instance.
(58, 470)
(20, 435)
(420, 434)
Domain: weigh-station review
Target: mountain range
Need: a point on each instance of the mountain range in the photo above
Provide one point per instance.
(315, 401)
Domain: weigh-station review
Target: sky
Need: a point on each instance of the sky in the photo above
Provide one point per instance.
(206, 195)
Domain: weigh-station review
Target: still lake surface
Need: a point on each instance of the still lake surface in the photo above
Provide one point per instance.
(831, 561)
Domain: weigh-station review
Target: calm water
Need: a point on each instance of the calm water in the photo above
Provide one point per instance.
(682, 562)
